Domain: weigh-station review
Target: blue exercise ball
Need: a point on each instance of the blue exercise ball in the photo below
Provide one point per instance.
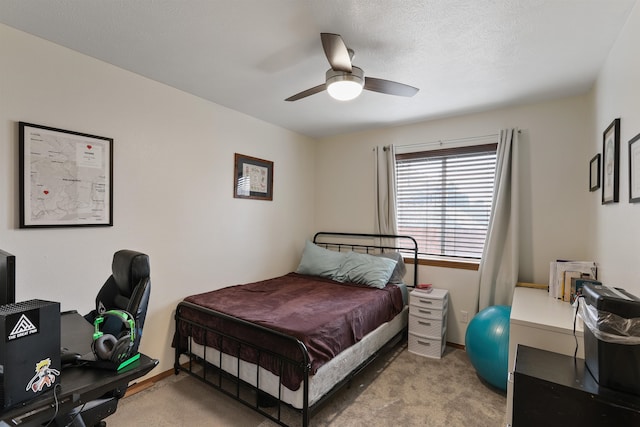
(487, 344)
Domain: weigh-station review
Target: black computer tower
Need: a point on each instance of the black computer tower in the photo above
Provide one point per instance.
(29, 350)
(7, 278)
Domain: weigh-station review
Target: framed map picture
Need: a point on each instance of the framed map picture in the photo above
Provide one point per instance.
(252, 178)
(66, 178)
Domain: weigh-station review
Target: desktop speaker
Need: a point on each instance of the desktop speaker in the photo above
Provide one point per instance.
(29, 350)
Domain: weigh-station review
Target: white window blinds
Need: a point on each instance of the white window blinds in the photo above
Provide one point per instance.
(444, 199)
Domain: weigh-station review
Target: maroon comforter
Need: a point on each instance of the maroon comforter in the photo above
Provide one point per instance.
(325, 315)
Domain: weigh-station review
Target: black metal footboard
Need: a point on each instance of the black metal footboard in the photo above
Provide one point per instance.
(252, 395)
(231, 384)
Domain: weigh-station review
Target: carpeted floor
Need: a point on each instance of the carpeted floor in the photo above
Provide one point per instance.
(399, 389)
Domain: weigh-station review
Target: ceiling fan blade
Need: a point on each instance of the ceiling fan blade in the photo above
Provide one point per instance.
(336, 52)
(307, 92)
(389, 87)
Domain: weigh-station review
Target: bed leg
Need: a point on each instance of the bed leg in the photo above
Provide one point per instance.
(176, 362)
(265, 400)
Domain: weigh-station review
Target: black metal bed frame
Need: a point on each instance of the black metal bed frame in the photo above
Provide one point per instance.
(251, 395)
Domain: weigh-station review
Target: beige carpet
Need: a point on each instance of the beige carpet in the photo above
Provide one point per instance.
(399, 389)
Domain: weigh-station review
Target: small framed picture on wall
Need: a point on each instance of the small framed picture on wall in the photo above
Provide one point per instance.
(252, 178)
(634, 169)
(594, 173)
(611, 163)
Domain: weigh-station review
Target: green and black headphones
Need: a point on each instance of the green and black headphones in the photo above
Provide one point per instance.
(107, 346)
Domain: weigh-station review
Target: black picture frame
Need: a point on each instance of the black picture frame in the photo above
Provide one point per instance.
(611, 163)
(594, 173)
(634, 169)
(66, 178)
(252, 178)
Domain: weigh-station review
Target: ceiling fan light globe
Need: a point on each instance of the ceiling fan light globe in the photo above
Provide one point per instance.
(344, 90)
(345, 86)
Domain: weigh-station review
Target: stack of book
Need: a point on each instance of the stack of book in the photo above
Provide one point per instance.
(424, 287)
(577, 284)
(563, 275)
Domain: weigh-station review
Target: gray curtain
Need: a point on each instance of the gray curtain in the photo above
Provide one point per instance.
(499, 265)
(386, 221)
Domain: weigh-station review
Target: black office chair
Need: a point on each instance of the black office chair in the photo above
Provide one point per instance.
(128, 288)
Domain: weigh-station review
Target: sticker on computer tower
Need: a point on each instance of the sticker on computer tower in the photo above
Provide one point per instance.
(45, 376)
(23, 324)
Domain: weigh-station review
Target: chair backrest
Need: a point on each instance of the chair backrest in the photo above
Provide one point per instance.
(128, 288)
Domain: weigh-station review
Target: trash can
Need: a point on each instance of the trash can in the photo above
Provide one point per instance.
(612, 337)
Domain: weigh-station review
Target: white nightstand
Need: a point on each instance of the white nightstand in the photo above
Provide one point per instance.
(428, 322)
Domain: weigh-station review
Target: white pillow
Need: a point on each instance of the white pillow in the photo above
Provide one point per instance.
(397, 276)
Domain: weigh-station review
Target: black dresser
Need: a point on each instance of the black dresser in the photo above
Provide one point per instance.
(552, 389)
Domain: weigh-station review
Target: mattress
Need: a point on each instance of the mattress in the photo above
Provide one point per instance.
(326, 316)
(327, 376)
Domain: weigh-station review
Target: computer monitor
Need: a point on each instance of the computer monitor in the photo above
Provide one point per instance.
(7, 278)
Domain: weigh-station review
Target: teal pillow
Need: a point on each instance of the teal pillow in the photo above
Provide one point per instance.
(365, 270)
(397, 276)
(317, 261)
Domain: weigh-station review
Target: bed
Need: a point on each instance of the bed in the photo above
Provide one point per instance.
(286, 344)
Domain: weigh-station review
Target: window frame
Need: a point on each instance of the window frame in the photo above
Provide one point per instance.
(459, 262)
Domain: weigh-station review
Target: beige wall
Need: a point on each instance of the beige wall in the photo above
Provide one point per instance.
(173, 199)
(173, 169)
(617, 95)
(553, 166)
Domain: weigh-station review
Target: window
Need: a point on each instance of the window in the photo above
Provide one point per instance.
(444, 199)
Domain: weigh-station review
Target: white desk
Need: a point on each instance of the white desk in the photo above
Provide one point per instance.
(539, 321)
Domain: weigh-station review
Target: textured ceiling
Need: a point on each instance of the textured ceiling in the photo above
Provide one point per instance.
(249, 55)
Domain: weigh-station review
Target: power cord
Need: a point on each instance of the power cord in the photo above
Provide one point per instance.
(55, 398)
(575, 317)
(56, 388)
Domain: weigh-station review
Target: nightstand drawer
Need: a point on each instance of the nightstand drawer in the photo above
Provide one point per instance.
(436, 299)
(425, 346)
(426, 327)
(427, 313)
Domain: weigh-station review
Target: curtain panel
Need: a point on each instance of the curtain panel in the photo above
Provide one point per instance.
(499, 265)
(386, 221)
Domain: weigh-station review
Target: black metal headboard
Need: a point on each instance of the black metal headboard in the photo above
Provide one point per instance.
(370, 243)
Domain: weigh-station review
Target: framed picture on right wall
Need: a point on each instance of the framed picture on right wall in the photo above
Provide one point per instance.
(594, 173)
(634, 169)
(611, 163)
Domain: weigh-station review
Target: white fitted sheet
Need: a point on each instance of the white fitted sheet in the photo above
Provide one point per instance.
(327, 376)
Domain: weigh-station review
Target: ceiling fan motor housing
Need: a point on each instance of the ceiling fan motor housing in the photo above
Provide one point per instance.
(344, 85)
